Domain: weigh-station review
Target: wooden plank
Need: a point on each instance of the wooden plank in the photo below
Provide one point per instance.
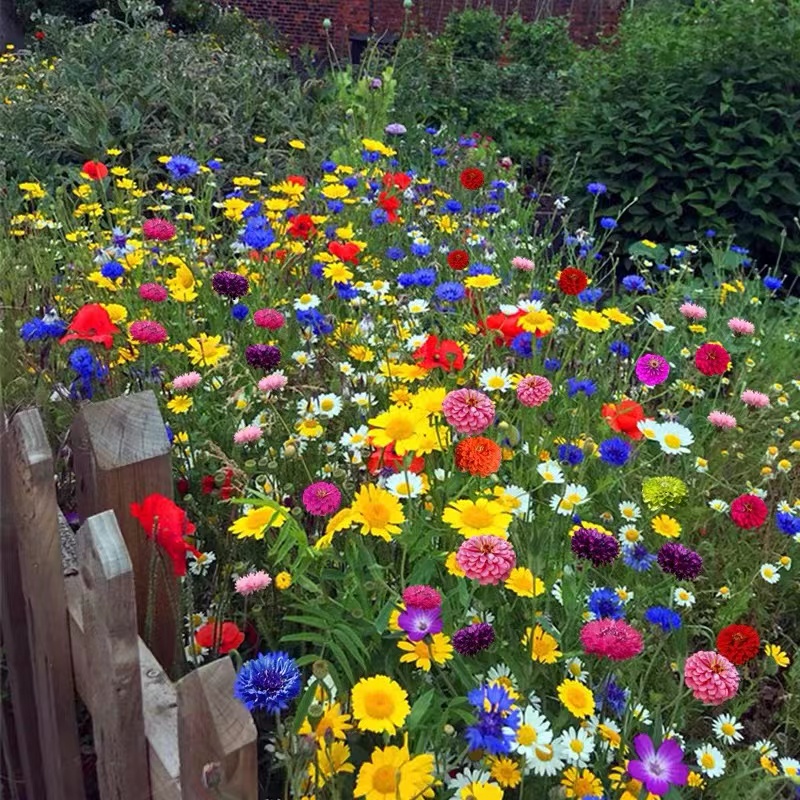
(16, 642)
(112, 651)
(36, 516)
(215, 728)
(121, 455)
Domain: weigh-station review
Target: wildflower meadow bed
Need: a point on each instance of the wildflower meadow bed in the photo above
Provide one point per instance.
(477, 513)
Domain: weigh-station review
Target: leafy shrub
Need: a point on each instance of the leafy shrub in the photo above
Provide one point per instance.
(694, 111)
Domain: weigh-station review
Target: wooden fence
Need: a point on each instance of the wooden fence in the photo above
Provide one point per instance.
(153, 738)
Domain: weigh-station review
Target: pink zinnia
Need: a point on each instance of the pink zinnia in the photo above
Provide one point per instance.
(487, 559)
(158, 229)
(711, 677)
(754, 399)
(719, 419)
(693, 311)
(273, 382)
(182, 383)
(533, 390)
(468, 410)
(250, 433)
(252, 582)
(148, 332)
(712, 359)
(421, 596)
(652, 369)
(321, 498)
(524, 264)
(153, 292)
(269, 318)
(611, 638)
(742, 327)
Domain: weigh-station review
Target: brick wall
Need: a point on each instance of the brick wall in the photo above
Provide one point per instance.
(300, 21)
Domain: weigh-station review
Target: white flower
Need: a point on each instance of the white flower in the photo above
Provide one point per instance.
(574, 495)
(545, 759)
(655, 320)
(683, 597)
(533, 730)
(642, 714)
(404, 485)
(355, 438)
(728, 728)
(465, 778)
(551, 472)
(306, 301)
(770, 573)
(574, 669)
(515, 499)
(327, 405)
(790, 767)
(765, 747)
(673, 437)
(720, 506)
(648, 428)
(624, 594)
(495, 379)
(710, 760)
(198, 565)
(630, 511)
(629, 535)
(577, 744)
(417, 306)
(303, 359)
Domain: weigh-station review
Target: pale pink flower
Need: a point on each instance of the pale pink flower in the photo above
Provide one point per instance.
(711, 677)
(487, 559)
(468, 410)
(250, 433)
(754, 399)
(741, 327)
(523, 264)
(693, 311)
(182, 383)
(719, 419)
(273, 383)
(534, 390)
(253, 582)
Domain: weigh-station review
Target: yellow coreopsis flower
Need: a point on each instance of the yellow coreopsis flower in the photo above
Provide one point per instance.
(206, 350)
(592, 321)
(423, 654)
(543, 647)
(255, 523)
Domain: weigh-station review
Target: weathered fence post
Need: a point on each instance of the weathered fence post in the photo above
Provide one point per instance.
(39, 625)
(111, 645)
(121, 455)
(215, 729)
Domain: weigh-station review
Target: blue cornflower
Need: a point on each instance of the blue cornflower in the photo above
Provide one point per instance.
(467, 141)
(257, 237)
(420, 249)
(214, 165)
(378, 217)
(570, 240)
(82, 361)
(425, 276)
(442, 162)
(328, 166)
(269, 682)
(89, 369)
(585, 385)
(432, 130)
(438, 151)
(496, 719)
(182, 167)
(552, 364)
(615, 451)
(335, 206)
(772, 283)
(665, 618)
(491, 208)
(112, 270)
(665, 267)
(522, 344)
(395, 253)
(620, 349)
(317, 270)
(638, 558)
(590, 295)
(351, 181)
(477, 268)
(346, 291)
(253, 213)
(406, 280)
(369, 156)
(570, 454)
(450, 292)
(710, 233)
(48, 327)
(170, 433)
(311, 318)
(239, 311)
(537, 294)
(604, 603)
(612, 696)
(596, 188)
(634, 283)
(787, 523)
(609, 223)
(742, 251)
(452, 207)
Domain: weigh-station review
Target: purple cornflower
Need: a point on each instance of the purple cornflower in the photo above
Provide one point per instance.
(419, 622)
(658, 770)
(599, 548)
(263, 356)
(680, 561)
(472, 639)
(230, 284)
(652, 369)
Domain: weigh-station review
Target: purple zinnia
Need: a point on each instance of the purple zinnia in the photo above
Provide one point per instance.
(652, 369)
(599, 548)
(680, 561)
(472, 639)
(658, 770)
(263, 356)
(419, 622)
(230, 284)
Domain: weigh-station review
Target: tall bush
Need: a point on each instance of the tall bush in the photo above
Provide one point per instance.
(694, 111)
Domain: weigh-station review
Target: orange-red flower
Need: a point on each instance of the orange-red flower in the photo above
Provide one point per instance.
(478, 456)
(347, 252)
(471, 178)
(167, 522)
(94, 170)
(445, 354)
(572, 280)
(91, 323)
(624, 417)
(220, 637)
(385, 458)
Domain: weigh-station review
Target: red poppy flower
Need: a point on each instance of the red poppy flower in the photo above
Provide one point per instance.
(347, 252)
(712, 359)
(222, 638)
(738, 643)
(182, 486)
(301, 226)
(94, 170)
(91, 323)
(572, 280)
(227, 490)
(390, 204)
(160, 517)
(507, 325)
(749, 511)
(299, 179)
(624, 417)
(458, 259)
(445, 354)
(208, 484)
(385, 458)
(471, 178)
(39, 35)
(398, 180)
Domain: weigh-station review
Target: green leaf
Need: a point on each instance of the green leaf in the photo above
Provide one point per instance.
(421, 706)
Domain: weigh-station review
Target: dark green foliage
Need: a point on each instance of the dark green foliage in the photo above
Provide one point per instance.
(695, 112)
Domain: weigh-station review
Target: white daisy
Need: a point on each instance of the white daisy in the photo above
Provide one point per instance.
(790, 767)
(363, 400)
(648, 428)
(405, 485)
(624, 594)
(417, 306)
(718, 505)
(465, 778)
(355, 438)
(765, 747)
(683, 597)
(495, 379)
(515, 499)
(573, 668)
(728, 728)
(327, 405)
(551, 472)
(642, 714)
(533, 731)
(710, 760)
(770, 573)
(574, 495)
(655, 320)
(545, 759)
(306, 301)
(673, 437)
(629, 535)
(303, 359)
(629, 511)
(577, 745)
(499, 673)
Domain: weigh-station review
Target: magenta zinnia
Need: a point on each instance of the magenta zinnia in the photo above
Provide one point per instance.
(652, 369)
(321, 498)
